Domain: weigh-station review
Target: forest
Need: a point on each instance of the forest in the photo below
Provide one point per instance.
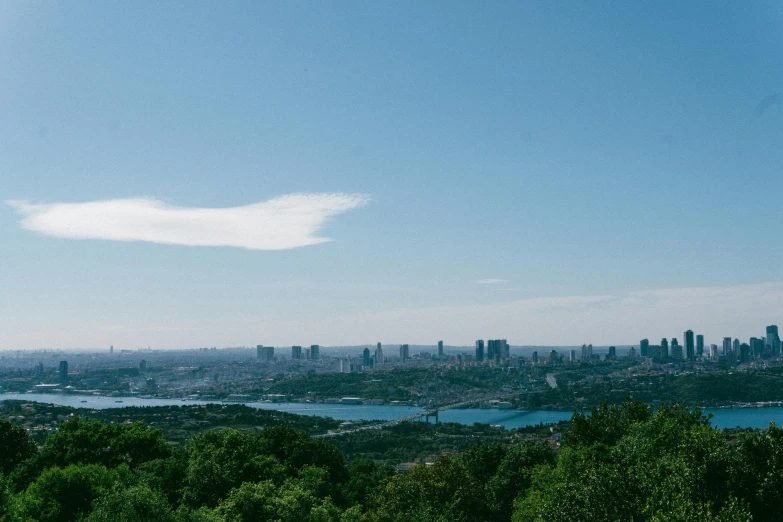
(619, 462)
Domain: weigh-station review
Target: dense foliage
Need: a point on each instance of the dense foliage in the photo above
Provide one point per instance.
(625, 462)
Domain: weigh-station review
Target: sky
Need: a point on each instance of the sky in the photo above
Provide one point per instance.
(186, 174)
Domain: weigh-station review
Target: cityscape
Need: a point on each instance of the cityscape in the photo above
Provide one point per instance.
(318, 261)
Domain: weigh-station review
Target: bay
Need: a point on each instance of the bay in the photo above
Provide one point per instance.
(749, 417)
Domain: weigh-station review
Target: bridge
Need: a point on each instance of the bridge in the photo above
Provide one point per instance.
(426, 413)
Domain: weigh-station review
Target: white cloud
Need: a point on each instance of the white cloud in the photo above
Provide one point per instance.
(277, 224)
(492, 281)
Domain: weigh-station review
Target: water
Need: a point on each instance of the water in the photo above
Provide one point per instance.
(722, 417)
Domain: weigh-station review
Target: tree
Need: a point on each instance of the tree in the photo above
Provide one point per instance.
(65, 494)
(133, 504)
(15, 446)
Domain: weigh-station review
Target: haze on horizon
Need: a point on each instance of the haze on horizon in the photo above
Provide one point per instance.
(196, 174)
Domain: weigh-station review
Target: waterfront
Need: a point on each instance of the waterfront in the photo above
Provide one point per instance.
(722, 417)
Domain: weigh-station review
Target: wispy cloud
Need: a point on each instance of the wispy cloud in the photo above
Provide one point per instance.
(492, 281)
(281, 223)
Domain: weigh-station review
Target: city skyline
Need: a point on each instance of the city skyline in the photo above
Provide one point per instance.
(552, 173)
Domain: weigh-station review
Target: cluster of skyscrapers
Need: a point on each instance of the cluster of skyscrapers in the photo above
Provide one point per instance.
(733, 349)
(497, 350)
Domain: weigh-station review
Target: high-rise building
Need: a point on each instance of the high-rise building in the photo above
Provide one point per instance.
(344, 365)
(736, 346)
(404, 352)
(535, 357)
(664, 354)
(259, 351)
(572, 356)
(756, 347)
(315, 351)
(584, 352)
(676, 350)
(744, 352)
(491, 348)
(265, 353)
(379, 359)
(726, 345)
(612, 353)
(589, 352)
(62, 372)
(440, 349)
(111, 349)
(553, 358)
(366, 358)
(504, 349)
(644, 346)
(699, 345)
(773, 339)
(296, 352)
(479, 350)
(713, 351)
(690, 346)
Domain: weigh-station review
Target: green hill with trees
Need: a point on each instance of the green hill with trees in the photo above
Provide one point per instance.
(626, 462)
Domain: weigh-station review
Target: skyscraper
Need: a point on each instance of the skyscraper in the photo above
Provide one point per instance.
(736, 346)
(404, 352)
(379, 359)
(535, 357)
(479, 350)
(265, 353)
(664, 349)
(726, 345)
(773, 339)
(644, 347)
(366, 358)
(713, 351)
(62, 372)
(111, 349)
(612, 353)
(314, 351)
(690, 347)
(296, 352)
(491, 346)
(440, 349)
(699, 345)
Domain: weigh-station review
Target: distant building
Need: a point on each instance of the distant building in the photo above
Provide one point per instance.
(315, 351)
(756, 347)
(644, 347)
(773, 339)
(572, 356)
(690, 346)
(479, 350)
(699, 345)
(152, 386)
(676, 350)
(296, 352)
(497, 349)
(379, 359)
(612, 353)
(744, 352)
(62, 372)
(440, 349)
(553, 357)
(535, 357)
(726, 345)
(713, 351)
(736, 345)
(111, 349)
(632, 353)
(366, 358)
(344, 365)
(265, 353)
(664, 349)
(404, 354)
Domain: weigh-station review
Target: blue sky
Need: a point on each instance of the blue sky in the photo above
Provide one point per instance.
(578, 151)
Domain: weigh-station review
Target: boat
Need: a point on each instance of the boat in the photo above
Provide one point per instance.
(117, 401)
